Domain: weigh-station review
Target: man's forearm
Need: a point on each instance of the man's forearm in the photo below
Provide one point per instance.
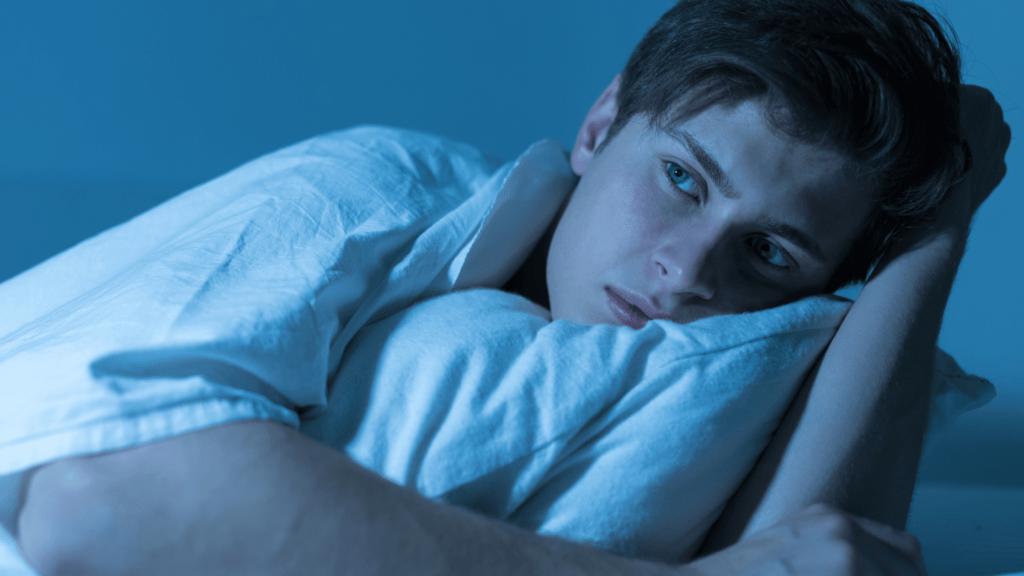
(258, 498)
(854, 433)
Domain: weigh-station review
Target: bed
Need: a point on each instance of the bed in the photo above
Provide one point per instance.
(290, 208)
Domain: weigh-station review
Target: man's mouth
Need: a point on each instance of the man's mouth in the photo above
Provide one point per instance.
(624, 312)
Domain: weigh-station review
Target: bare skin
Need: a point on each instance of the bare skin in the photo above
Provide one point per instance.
(257, 498)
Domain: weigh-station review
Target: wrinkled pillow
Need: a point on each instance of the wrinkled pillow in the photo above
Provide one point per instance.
(629, 440)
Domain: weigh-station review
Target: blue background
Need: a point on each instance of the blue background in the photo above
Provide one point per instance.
(109, 107)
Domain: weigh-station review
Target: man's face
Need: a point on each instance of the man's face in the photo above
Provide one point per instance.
(716, 215)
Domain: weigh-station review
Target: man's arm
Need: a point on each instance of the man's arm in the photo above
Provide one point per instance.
(257, 498)
(853, 435)
(260, 498)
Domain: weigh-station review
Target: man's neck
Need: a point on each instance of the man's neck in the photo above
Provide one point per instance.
(530, 280)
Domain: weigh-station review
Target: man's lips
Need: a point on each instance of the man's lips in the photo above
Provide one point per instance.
(624, 312)
(642, 303)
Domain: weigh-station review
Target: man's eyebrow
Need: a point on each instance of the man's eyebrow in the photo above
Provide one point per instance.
(794, 235)
(706, 161)
(718, 176)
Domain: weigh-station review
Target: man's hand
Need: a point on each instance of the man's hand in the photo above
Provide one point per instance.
(819, 541)
(988, 137)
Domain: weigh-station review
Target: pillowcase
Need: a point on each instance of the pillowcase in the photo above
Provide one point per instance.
(629, 440)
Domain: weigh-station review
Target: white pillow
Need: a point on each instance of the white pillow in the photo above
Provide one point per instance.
(630, 440)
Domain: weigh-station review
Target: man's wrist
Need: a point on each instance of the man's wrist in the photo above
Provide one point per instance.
(937, 250)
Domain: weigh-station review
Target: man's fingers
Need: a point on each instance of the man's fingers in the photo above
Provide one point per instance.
(898, 541)
(988, 136)
(905, 542)
(819, 540)
(883, 546)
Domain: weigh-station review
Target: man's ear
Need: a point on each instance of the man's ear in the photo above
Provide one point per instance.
(595, 128)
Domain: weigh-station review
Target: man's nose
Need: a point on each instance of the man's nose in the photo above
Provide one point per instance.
(686, 266)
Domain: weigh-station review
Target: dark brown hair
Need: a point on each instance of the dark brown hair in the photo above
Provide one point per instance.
(876, 81)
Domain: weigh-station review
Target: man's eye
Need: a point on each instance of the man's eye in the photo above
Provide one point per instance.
(682, 179)
(769, 252)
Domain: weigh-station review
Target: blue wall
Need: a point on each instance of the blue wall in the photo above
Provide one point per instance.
(109, 107)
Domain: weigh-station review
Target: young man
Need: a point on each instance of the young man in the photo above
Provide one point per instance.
(709, 184)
